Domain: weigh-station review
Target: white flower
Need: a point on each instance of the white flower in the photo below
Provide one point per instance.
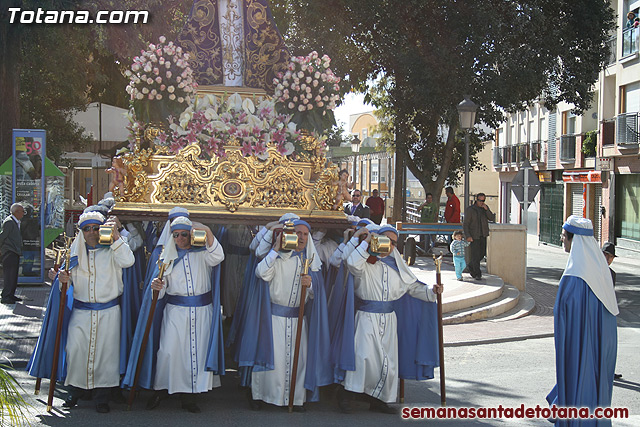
(289, 148)
(210, 114)
(301, 108)
(171, 89)
(162, 39)
(248, 107)
(172, 96)
(234, 102)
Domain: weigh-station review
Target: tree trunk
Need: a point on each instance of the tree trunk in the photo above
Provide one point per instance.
(399, 182)
(430, 186)
(10, 52)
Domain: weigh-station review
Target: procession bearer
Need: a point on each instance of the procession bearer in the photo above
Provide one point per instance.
(93, 339)
(190, 355)
(282, 270)
(380, 355)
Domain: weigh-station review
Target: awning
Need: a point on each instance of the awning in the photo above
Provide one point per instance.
(582, 176)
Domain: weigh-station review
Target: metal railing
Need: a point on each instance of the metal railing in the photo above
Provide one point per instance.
(497, 156)
(517, 153)
(535, 151)
(627, 128)
(630, 41)
(568, 148)
(612, 50)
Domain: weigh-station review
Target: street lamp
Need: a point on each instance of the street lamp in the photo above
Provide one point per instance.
(467, 111)
(355, 148)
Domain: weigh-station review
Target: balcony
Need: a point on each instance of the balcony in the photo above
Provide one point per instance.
(630, 41)
(497, 157)
(568, 148)
(514, 155)
(535, 152)
(611, 43)
(627, 135)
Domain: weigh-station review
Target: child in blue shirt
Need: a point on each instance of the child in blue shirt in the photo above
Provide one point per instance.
(457, 248)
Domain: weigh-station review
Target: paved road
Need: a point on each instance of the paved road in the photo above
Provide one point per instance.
(515, 370)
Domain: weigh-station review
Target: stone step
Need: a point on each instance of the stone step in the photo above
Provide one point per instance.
(525, 305)
(507, 301)
(460, 295)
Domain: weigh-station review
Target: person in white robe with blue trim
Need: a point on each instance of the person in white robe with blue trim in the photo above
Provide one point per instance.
(282, 270)
(379, 281)
(93, 337)
(187, 321)
(584, 320)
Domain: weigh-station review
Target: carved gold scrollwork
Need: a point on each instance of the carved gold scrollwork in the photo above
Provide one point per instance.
(232, 184)
(134, 184)
(183, 180)
(314, 152)
(324, 190)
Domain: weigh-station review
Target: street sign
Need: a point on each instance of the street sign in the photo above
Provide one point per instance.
(604, 163)
(532, 183)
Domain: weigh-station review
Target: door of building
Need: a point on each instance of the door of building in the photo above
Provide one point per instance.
(551, 212)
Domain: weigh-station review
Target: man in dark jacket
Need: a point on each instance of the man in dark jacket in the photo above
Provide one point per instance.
(10, 251)
(476, 228)
(356, 208)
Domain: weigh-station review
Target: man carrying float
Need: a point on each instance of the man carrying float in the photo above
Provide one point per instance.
(93, 327)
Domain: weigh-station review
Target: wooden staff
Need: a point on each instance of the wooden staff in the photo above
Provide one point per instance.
(296, 354)
(145, 337)
(56, 347)
(443, 395)
(56, 267)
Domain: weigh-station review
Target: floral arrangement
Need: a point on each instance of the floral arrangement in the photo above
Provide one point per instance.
(160, 82)
(308, 90)
(213, 123)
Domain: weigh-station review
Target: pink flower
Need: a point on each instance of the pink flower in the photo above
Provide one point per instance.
(246, 149)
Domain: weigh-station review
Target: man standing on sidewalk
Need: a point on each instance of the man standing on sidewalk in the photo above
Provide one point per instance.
(476, 228)
(452, 211)
(10, 250)
(376, 206)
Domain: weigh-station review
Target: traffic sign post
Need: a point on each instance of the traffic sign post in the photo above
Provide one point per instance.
(525, 186)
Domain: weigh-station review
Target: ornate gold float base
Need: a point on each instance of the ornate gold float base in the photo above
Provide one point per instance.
(230, 190)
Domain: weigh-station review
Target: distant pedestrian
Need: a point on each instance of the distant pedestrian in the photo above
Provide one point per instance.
(609, 252)
(452, 211)
(376, 207)
(584, 318)
(10, 251)
(457, 248)
(476, 228)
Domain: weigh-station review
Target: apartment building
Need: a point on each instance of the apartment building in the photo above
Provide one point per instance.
(588, 165)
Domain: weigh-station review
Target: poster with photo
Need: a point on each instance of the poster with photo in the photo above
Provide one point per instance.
(28, 172)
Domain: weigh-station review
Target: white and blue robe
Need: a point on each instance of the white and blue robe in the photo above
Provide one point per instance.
(186, 330)
(377, 362)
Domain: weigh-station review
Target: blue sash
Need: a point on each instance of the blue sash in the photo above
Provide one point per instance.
(284, 311)
(374, 306)
(81, 305)
(190, 301)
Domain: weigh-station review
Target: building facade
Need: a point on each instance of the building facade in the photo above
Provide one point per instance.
(589, 164)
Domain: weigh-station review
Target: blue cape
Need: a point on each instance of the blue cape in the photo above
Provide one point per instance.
(215, 353)
(41, 360)
(418, 350)
(131, 300)
(251, 335)
(586, 347)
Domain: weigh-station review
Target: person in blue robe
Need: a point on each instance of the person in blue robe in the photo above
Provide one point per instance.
(584, 318)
